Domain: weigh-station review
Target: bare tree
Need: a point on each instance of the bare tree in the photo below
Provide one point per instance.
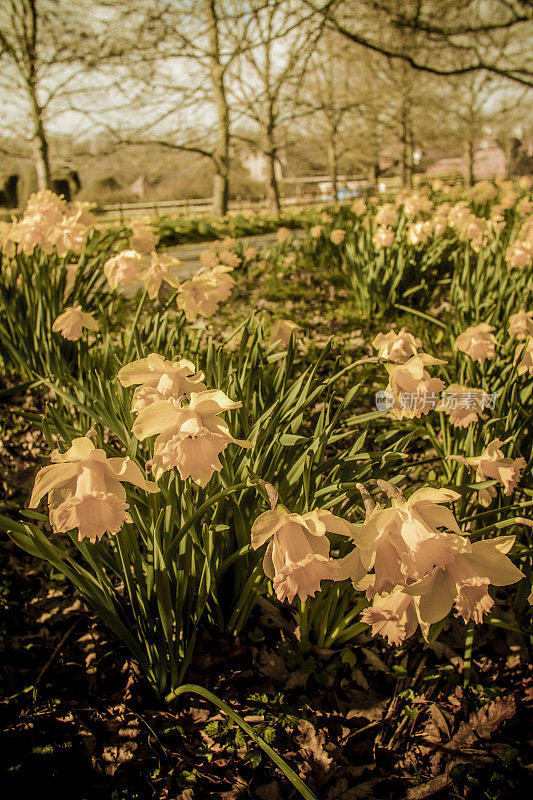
(332, 94)
(452, 37)
(185, 93)
(267, 78)
(478, 104)
(369, 107)
(48, 51)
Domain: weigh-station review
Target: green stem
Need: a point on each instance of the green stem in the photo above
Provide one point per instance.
(303, 619)
(469, 649)
(174, 544)
(238, 720)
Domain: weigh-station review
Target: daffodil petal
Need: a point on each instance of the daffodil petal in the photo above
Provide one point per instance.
(127, 470)
(156, 418)
(52, 477)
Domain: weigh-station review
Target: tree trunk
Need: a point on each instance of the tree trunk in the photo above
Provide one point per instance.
(272, 190)
(29, 24)
(373, 175)
(406, 162)
(40, 144)
(469, 163)
(333, 168)
(406, 165)
(40, 158)
(221, 151)
(220, 194)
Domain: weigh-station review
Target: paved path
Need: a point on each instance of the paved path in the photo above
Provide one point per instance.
(189, 254)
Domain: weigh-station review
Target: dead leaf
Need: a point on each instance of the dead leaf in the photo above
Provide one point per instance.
(312, 748)
(358, 676)
(483, 723)
(375, 661)
(116, 755)
(270, 791)
(239, 787)
(436, 726)
(272, 665)
(367, 705)
(198, 715)
(429, 788)
(272, 493)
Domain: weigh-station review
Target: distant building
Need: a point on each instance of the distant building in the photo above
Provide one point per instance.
(447, 165)
(489, 162)
(258, 167)
(139, 186)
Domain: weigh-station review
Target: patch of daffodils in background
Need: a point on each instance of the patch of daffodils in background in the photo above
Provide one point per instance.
(48, 224)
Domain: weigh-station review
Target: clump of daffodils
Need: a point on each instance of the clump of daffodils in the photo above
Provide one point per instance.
(85, 491)
(48, 223)
(203, 293)
(189, 437)
(415, 564)
(409, 557)
(159, 379)
(172, 403)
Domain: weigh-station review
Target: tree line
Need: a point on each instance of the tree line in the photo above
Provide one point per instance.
(202, 75)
